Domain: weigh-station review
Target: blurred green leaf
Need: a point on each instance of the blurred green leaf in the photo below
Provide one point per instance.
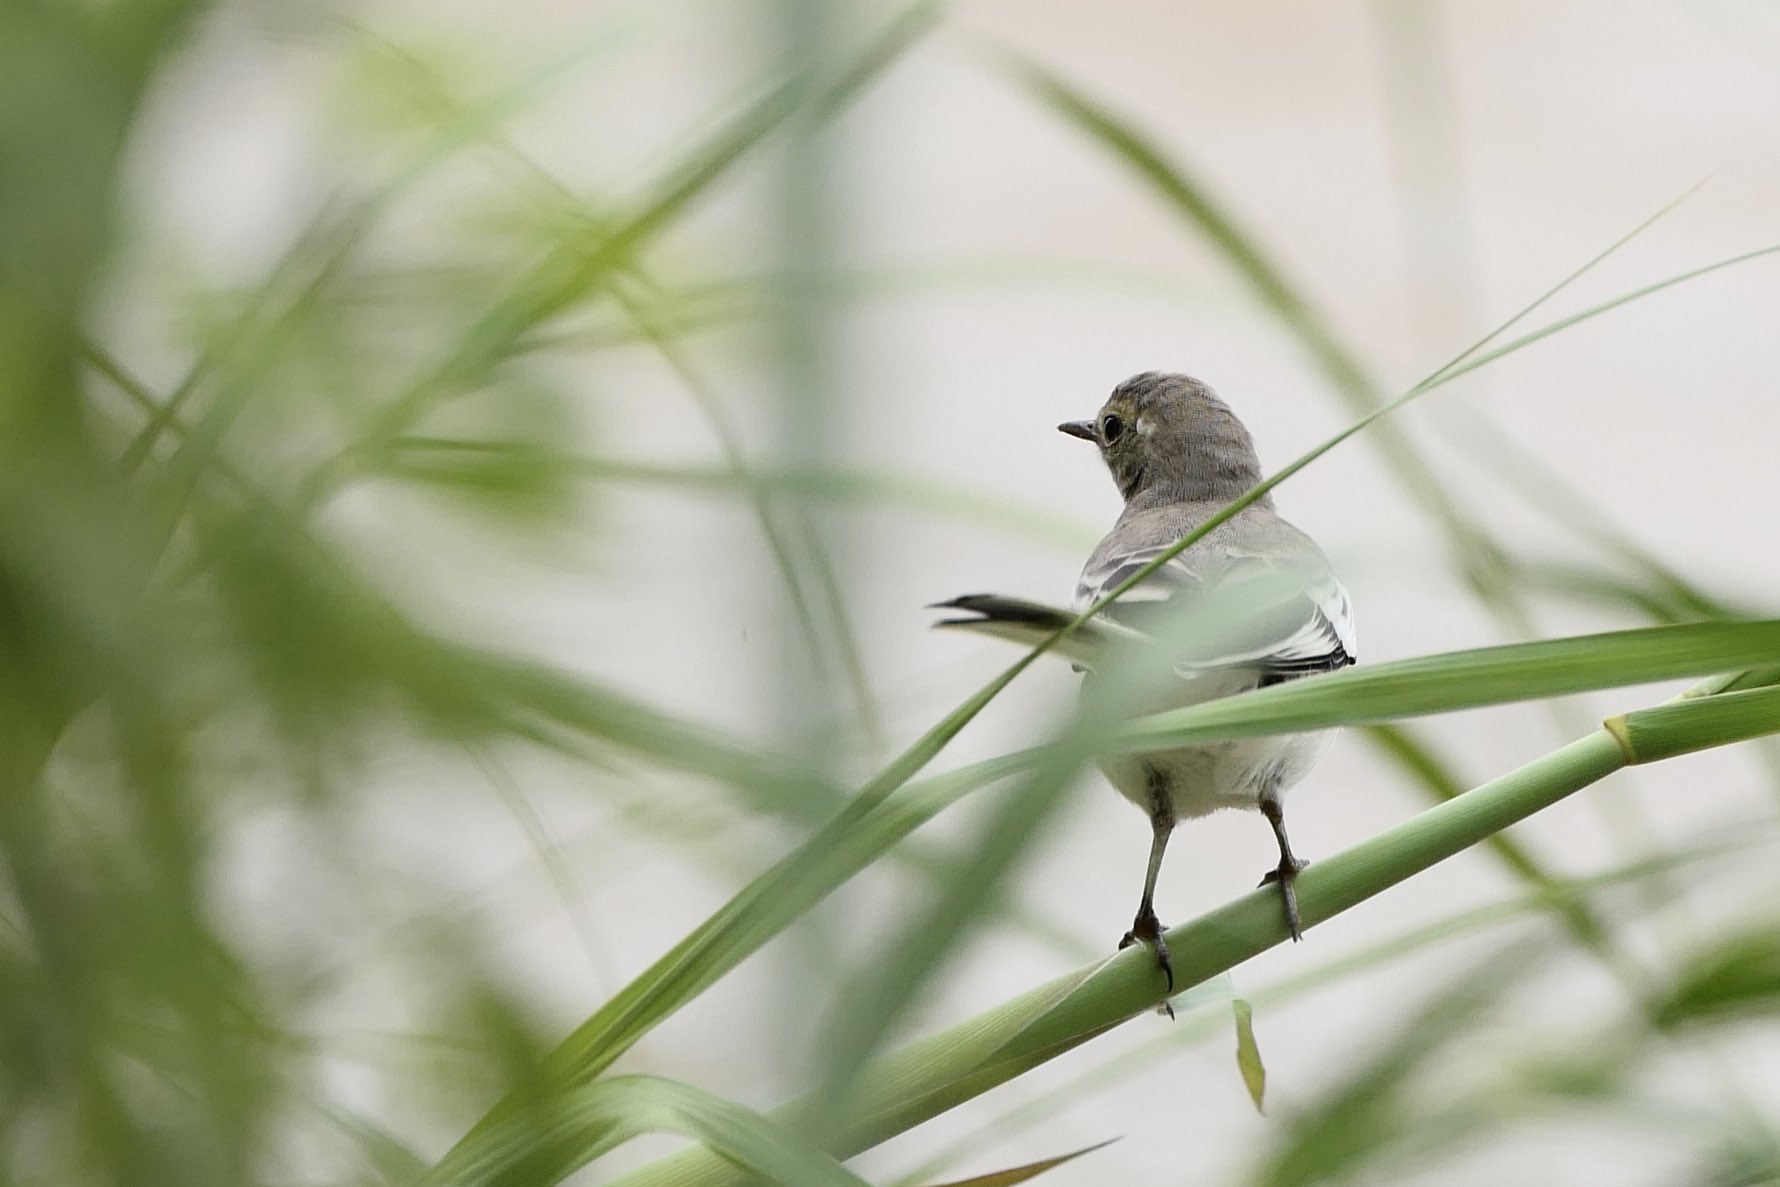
(1368, 1117)
(1654, 586)
(1591, 585)
(829, 634)
(1744, 1159)
(589, 254)
(542, 1144)
(1248, 1054)
(916, 493)
(1415, 754)
(519, 475)
(869, 824)
(1735, 977)
(1031, 1170)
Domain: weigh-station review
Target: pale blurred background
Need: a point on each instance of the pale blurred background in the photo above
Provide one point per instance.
(1419, 170)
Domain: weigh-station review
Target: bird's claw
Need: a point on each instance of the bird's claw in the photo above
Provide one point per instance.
(1285, 874)
(1147, 929)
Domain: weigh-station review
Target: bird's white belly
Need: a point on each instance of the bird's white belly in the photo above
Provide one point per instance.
(1233, 774)
(1230, 774)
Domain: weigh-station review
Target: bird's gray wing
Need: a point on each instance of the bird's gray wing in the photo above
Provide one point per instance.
(1282, 612)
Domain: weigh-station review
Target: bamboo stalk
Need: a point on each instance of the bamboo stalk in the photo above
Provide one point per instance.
(934, 1074)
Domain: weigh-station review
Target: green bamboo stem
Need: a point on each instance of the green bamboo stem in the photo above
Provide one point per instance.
(1687, 724)
(934, 1074)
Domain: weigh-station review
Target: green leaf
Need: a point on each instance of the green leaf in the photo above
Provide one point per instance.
(901, 490)
(1485, 676)
(1734, 978)
(593, 252)
(1248, 1054)
(542, 1144)
(863, 830)
(1031, 1170)
(1370, 1112)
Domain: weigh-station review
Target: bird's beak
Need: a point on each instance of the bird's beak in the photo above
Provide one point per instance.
(1079, 428)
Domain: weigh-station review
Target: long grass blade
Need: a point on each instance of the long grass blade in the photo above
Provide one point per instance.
(1021, 1174)
(569, 1131)
(1467, 680)
(420, 455)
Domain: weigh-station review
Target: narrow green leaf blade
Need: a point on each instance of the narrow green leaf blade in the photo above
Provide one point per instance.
(1736, 978)
(1467, 680)
(1031, 1170)
(1248, 1054)
(544, 1144)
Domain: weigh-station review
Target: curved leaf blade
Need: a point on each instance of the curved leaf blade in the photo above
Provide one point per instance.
(546, 1142)
(1467, 680)
(1020, 1174)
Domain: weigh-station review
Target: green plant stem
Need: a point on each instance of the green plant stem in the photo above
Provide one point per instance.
(1688, 724)
(934, 1074)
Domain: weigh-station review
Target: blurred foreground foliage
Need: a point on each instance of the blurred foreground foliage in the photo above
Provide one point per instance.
(191, 646)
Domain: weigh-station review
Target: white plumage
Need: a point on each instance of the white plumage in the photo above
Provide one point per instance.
(1235, 621)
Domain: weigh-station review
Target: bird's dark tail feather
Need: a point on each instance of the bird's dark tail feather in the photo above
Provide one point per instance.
(1028, 624)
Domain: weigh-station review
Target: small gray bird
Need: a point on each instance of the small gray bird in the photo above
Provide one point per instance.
(1254, 603)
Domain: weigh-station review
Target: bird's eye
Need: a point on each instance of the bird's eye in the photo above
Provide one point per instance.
(1111, 428)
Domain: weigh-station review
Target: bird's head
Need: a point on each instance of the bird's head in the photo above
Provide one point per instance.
(1170, 437)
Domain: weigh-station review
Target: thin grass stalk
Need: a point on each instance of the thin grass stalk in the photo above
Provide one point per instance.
(1686, 725)
(1196, 1024)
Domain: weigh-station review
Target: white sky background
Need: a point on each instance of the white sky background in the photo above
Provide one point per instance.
(1012, 275)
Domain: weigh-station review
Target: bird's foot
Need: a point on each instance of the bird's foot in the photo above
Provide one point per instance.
(1147, 929)
(1285, 874)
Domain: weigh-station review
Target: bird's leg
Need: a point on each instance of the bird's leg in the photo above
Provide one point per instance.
(1146, 927)
(1286, 873)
